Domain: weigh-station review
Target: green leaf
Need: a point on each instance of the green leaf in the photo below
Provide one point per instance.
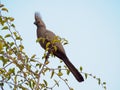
(105, 88)
(99, 81)
(30, 83)
(61, 61)
(52, 73)
(65, 43)
(81, 68)
(94, 76)
(59, 67)
(45, 70)
(22, 87)
(28, 67)
(13, 25)
(5, 28)
(86, 75)
(5, 9)
(8, 35)
(45, 82)
(44, 56)
(21, 47)
(68, 71)
(15, 34)
(104, 83)
(15, 79)
(1, 84)
(1, 21)
(37, 64)
(33, 56)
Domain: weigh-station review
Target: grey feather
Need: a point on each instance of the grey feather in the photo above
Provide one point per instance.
(42, 32)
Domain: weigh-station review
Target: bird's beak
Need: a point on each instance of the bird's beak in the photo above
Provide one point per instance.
(35, 23)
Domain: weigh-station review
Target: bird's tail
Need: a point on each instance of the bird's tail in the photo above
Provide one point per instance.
(72, 68)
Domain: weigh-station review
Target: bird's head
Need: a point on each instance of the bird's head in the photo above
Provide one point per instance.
(38, 21)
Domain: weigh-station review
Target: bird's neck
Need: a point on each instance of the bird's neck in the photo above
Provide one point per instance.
(40, 31)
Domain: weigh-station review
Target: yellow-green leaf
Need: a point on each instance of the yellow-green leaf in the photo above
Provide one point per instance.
(55, 48)
(21, 47)
(10, 52)
(46, 49)
(44, 56)
(47, 45)
(71, 89)
(1, 46)
(2, 71)
(15, 34)
(43, 40)
(52, 73)
(11, 18)
(60, 74)
(47, 62)
(5, 28)
(18, 38)
(38, 39)
(33, 56)
(12, 70)
(8, 35)
(5, 9)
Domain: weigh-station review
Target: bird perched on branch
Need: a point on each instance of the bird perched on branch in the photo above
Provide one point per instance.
(42, 32)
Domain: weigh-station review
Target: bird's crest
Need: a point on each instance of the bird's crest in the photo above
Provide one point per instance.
(37, 16)
(38, 20)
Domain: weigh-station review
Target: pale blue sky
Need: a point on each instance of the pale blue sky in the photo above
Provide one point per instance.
(92, 28)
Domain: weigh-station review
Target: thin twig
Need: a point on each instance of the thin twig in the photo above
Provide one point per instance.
(64, 81)
(38, 81)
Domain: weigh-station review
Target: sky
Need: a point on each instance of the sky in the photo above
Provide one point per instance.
(92, 28)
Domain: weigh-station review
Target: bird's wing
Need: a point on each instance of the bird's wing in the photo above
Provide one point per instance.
(51, 36)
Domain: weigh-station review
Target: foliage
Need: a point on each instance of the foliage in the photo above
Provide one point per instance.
(18, 70)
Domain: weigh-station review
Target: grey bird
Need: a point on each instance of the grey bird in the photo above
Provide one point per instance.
(42, 32)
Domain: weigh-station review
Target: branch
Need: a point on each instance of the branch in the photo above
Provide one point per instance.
(38, 81)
